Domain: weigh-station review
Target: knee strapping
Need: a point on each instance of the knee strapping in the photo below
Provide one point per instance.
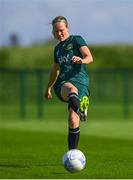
(74, 102)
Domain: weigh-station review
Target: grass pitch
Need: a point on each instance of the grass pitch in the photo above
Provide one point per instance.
(34, 149)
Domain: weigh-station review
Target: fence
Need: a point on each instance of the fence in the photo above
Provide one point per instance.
(21, 94)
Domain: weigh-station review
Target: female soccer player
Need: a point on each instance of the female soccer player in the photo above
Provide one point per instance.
(69, 78)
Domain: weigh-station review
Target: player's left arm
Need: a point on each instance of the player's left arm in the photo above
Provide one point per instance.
(86, 54)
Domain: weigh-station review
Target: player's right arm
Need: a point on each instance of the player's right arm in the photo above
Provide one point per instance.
(52, 79)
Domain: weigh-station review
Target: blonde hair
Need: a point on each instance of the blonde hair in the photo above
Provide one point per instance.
(59, 19)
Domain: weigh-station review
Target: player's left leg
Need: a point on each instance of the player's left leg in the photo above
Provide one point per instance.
(70, 93)
(74, 129)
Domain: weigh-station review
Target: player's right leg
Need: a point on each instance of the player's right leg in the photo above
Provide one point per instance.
(84, 103)
(83, 93)
(69, 93)
(66, 89)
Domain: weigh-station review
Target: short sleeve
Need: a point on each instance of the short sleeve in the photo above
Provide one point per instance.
(80, 41)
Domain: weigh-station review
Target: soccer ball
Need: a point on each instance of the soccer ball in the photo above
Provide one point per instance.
(74, 160)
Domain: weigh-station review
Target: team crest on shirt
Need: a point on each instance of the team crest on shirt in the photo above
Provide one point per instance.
(69, 47)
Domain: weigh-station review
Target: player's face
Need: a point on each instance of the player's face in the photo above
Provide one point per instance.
(60, 31)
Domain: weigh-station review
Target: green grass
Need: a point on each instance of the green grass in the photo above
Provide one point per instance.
(34, 149)
(107, 111)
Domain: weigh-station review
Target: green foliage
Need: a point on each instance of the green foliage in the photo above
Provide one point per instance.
(115, 56)
(36, 57)
(4, 56)
(41, 56)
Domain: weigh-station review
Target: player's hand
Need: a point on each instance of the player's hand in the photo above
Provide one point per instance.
(77, 60)
(48, 94)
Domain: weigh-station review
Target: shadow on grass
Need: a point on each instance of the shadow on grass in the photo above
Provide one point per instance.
(28, 165)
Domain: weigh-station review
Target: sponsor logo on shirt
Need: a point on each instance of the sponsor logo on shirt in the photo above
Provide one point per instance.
(63, 59)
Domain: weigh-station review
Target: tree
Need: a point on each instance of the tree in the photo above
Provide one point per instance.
(14, 39)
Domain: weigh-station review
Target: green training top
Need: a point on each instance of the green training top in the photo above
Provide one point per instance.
(63, 54)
